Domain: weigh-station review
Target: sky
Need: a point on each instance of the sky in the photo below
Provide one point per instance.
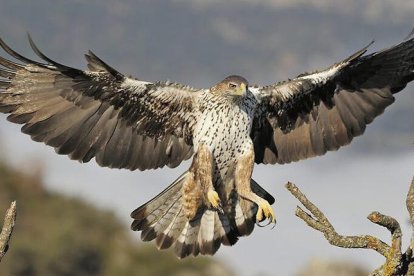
(199, 44)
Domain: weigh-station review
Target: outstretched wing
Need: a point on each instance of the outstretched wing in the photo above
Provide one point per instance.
(322, 111)
(122, 122)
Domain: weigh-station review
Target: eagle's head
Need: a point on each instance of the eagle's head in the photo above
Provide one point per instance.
(232, 87)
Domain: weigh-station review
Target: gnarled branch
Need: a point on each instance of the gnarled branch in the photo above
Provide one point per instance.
(396, 262)
(7, 229)
(410, 208)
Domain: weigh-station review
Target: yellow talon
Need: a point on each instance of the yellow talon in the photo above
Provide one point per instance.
(266, 210)
(213, 198)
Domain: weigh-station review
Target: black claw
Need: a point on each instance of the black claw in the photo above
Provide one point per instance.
(220, 209)
(274, 224)
(269, 221)
(262, 225)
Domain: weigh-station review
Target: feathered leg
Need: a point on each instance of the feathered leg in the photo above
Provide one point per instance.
(243, 175)
(192, 196)
(200, 184)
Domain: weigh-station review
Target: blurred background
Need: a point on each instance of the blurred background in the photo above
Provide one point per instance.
(74, 218)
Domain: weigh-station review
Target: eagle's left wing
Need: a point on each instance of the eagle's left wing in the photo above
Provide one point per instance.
(100, 113)
(322, 111)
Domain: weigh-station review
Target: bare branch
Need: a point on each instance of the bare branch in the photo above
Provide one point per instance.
(393, 226)
(321, 223)
(7, 230)
(308, 205)
(397, 263)
(410, 208)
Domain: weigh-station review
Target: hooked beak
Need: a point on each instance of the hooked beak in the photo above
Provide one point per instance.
(241, 90)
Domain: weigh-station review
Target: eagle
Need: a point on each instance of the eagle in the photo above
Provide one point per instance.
(127, 123)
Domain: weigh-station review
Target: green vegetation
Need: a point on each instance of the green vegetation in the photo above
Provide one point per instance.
(56, 235)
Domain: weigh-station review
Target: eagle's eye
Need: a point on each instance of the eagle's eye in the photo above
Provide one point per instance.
(232, 85)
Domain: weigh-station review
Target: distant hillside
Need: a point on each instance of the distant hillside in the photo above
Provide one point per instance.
(55, 235)
(318, 267)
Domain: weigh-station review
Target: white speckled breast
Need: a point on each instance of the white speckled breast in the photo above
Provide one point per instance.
(225, 126)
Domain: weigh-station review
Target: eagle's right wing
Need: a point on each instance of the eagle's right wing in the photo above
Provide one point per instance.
(101, 114)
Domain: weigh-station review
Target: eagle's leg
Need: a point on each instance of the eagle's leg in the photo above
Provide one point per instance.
(202, 168)
(192, 196)
(243, 174)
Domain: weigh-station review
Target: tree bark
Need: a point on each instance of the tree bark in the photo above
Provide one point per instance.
(7, 230)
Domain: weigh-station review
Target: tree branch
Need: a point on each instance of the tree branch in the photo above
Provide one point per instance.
(396, 262)
(7, 230)
(410, 207)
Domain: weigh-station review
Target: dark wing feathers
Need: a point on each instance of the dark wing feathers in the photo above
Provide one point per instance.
(122, 122)
(322, 111)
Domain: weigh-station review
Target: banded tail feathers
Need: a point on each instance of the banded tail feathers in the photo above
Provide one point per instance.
(163, 219)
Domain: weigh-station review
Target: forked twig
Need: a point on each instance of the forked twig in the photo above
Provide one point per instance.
(396, 262)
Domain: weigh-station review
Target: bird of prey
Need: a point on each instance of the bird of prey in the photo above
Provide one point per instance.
(128, 123)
